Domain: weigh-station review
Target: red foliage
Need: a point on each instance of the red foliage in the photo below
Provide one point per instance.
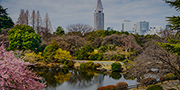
(121, 86)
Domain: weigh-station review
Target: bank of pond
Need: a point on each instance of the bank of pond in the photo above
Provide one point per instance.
(91, 76)
(89, 79)
(79, 79)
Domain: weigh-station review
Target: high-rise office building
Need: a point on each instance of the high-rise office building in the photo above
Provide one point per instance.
(142, 27)
(127, 25)
(99, 16)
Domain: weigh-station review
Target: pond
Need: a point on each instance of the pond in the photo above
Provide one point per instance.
(72, 79)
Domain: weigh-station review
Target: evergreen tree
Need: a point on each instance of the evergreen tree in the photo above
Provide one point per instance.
(174, 20)
(5, 20)
(23, 37)
(59, 31)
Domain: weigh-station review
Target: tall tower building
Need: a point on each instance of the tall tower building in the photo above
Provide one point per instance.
(127, 25)
(99, 16)
(142, 27)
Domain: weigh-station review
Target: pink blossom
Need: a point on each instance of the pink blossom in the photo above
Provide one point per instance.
(14, 73)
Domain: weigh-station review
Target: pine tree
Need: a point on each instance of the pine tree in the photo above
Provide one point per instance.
(174, 20)
(5, 20)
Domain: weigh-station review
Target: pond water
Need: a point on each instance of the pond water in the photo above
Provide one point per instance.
(72, 79)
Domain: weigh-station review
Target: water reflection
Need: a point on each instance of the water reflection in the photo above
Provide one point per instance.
(116, 75)
(82, 79)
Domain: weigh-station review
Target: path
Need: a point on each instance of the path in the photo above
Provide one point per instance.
(105, 64)
(166, 85)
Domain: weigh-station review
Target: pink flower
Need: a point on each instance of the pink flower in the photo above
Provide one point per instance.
(5, 76)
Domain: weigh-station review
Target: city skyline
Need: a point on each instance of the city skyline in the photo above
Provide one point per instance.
(62, 13)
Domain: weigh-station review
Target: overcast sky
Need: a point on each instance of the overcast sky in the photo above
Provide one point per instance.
(65, 12)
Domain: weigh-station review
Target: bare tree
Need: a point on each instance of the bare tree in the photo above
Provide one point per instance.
(38, 22)
(21, 20)
(156, 61)
(26, 17)
(130, 43)
(33, 19)
(47, 24)
(83, 28)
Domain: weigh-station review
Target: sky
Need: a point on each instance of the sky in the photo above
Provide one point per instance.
(65, 12)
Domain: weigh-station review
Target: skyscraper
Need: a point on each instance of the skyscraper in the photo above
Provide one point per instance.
(127, 25)
(99, 16)
(142, 27)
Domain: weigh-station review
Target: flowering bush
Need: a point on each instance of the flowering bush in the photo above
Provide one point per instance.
(15, 74)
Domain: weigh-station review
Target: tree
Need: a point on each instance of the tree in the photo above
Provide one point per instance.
(50, 51)
(39, 22)
(47, 24)
(33, 19)
(23, 37)
(62, 55)
(59, 31)
(154, 60)
(83, 28)
(174, 20)
(82, 54)
(15, 75)
(5, 21)
(26, 17)
(21, 20)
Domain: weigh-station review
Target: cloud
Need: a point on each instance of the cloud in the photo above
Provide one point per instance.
(65, 12)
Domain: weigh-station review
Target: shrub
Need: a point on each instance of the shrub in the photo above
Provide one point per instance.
(89, 65)
(62, 55)
(110, 87)
(82, 65)
(82, 54)
(170, 76)
(100, 56)
(148, 81)
(121, 86)
(116, 66)
(93, 57)
(121, 57)
(154, 87)
(103, 48)
(101, 88)
(68, 64)
(94, 66)
(33, 57)
(50, 51)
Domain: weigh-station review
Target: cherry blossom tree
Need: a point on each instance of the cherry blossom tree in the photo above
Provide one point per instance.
(14, 73)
